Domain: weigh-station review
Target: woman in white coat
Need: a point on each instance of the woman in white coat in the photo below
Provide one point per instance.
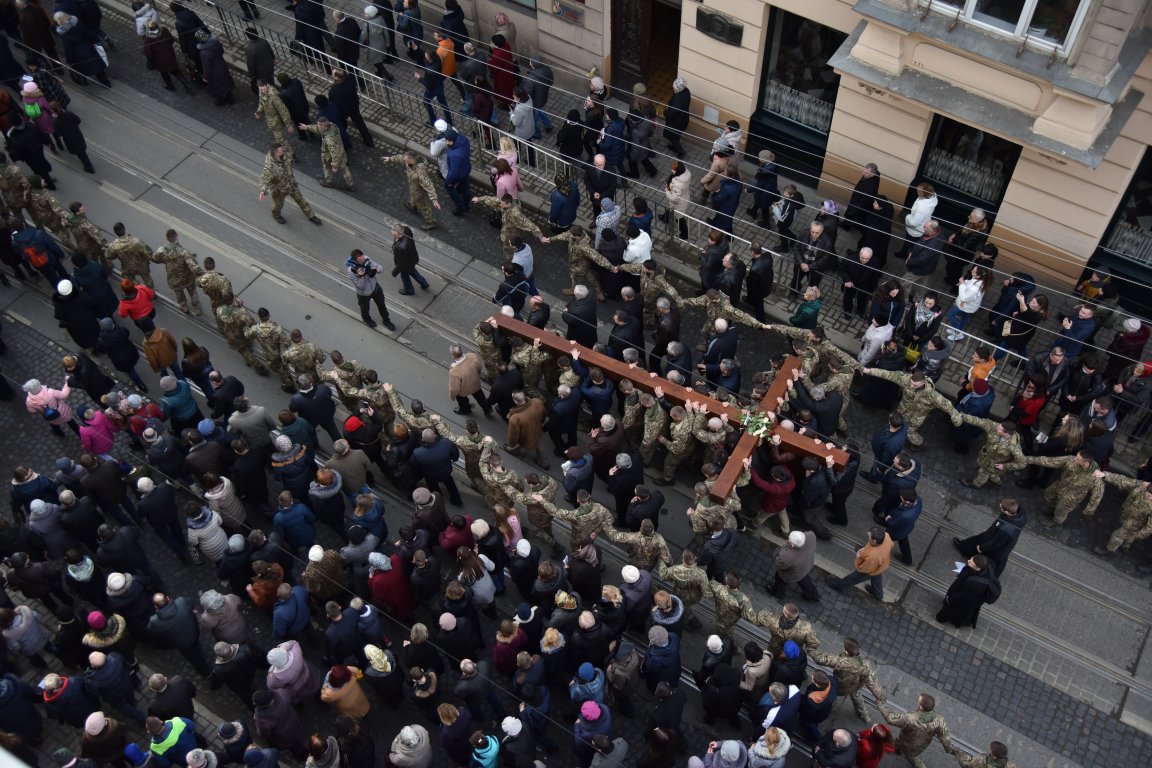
(676, 193)
(918, 215)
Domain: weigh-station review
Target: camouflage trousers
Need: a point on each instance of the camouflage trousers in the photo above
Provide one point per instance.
(984, 476)
(672, 463)
(1125, 535)
(1062, 503)
(277, 367)
(587, 278)
(330, 172)
(278, 198)
(186, 294)
(242, 345)
(420, 204)
(140, 278)
(541, 524)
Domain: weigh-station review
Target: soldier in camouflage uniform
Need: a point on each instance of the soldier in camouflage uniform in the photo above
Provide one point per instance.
(1080, 478)
(275, 113)
(653, 419)
(489, 353)
(215, 285)
(706, 511)
(731, 604)
(840, 380)
(333, 158)
(539, 519)
(995, 757)
(712, 474)
(135, 257)
(182, 270)
(416, 419)
(303, 356)
(375, 394)
(920, 398)
(788, 626)
(680, 443)
(581, 257)
(917, 729)
(588, 518)
(709, 431)
(421, 192)
(87, 237)
(44, 210)
(277, 180)
(471, 445)
(530, 360)
(716, 306)
(633, 421)
(233, 321)
(1135, 513)
(345, 376)
(802, 348)
(645, 549)
(565, 374)
(273, 340)
(514, 222)
(497, 481)
(1001, 452)
(14, 187)
(689, 582)
(653, 285)
(853, 672)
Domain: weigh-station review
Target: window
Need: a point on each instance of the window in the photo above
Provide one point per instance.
(800, 86)
(1049, 23)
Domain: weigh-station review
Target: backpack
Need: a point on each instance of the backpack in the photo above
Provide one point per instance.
(36, 256)
(33, 111)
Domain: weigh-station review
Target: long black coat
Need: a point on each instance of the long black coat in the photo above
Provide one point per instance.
(860, 204)
(217, 76)
(260, 60)
(293, 96)
(878, 231)
(346, 41)
(76, 314)
(580, 316)
(971, 590)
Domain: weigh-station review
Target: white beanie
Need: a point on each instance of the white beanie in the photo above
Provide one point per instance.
(797, 538)
(145, 485)
(316, 553)
(64, 287)
(715, 644)
(511, 726)
(277, 658)
(370, 11)
(630, 574)
(523, 548)
(480, 529)
(440, 125)
(283, 443)
(1131, 325)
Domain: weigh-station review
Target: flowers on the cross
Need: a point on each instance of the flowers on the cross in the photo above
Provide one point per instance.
(759, 424)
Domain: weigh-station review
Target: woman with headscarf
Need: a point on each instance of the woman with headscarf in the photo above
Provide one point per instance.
(502, 71)
(676, 116)
(51, 404)
(790, 666)
(342, 688)
(389, 586)
(609, 218)
(384, 675)
(80, 50)
(75, 311)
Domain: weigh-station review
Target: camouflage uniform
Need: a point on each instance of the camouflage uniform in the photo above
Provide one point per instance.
(305, 357)
(841, 382)
(515, 222)
(917, 404)
(581, 257)
(690, 583)
(1071, 487)
(655, 420)
(347, 376)
(420, 423)
(538, 517)
(570, 379)
(46, 212)
(586, 520)
(215, 286)
(995, 451)
(488, 352)
(496, 484)
(273, 340)
(852, 674)
(134, 256)
(471, 447)
(276, 116)
(708, 511)
(680, 446)
(530, 360)
(652, 287)
(810, 360)
(705, 436)
(421, 192)
(714, 310)
(88, 238)
(332, 154)
(233, 322)
(633, 421)
(1135, 512)
(375, 396)
(277, 180)
(14, 186)
(983, 760)
(800, 632)
(917, 729)
(731, 606)
(182, 270)
(644, 552)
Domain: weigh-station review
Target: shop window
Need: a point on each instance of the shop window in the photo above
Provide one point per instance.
(1130, 236)
(973, 163)
(799, 85)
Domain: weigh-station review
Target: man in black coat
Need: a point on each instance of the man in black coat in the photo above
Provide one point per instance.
(580, 316)
(508, 379)
(721, 346)
(669, 709)
(860, 204)
(622, 481)
(731, 280)
(158, 506)
(627, 332)
(80, 518)
(539, 312)
(975, 585)
(344, 95)
(250, 477)
(645, 505)
(105, 483)
(563, 418)
(837, 749)
(718, 551)
(434, 460)
(999, 539)
(860, 277)
(235, 667)
(341, 637)
(175, 626)
(120, 550)
(346, 39)
(523, 565)
(225, 390)
(316, 404)
(667, 330)
(172, 697)
(825, 406)
(601, 184)
(760, 279)
(259, 59)
(293, 96)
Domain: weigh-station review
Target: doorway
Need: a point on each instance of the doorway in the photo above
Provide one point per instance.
(634, 58)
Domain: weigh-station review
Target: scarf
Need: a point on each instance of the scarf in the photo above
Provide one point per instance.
(926, 718)
(786, 623)
(83, 570)
(923, 314)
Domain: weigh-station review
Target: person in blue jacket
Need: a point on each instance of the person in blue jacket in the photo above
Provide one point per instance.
(459, 171)
(662, 664)
(886, 445)
(291, 614)
(726, 200)
(18, 712)
(900, 518)
(295, 522)
(612, 145)
(565, 201)
(170, 740)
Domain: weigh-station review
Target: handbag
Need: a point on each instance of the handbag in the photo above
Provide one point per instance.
(50, 414)
(1006, 329)
(778, 211)
(911, 353)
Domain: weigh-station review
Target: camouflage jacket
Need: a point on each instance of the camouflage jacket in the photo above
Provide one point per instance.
(214, 285)
(87, 236)
(179, 263)
(304, 357)
(419, 183)
(332, 152)
(581, 254)
(1136, 509)
(1074, 482)
(689, 582)
(274, 111)
(645, 551)
(721, 307)
(273, 339)
(586, 520)
(277, 177)
(852, 673)
(800, 632)
(917, 729)
(233, 320)
(133, 254)
(731, 605)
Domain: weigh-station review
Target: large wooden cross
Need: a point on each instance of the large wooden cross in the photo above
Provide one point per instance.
(648, 382)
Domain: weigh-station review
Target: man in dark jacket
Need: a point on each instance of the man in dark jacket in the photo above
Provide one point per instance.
(860, 277)
(68, 699)
(105, 483)
(718, 551)
(175, 626)
(344, 95)
(900, 518)
(259, 58)
(158, 506)
(172, 697)
(887, 443)
(837, 749)
(235, 667)
(816, 706)
(513, 289)
(580, 317)
(457, 182)
(28, 486)
(293, 96)
(315, 403)
(721, 346)
(563, 418)
(346, 39)
(112, 679)
(627, 332)
(731, 278)
(924, 255)
(434, 459)
(539, 82)
(120, 550)
(600, 183)
(998, 540)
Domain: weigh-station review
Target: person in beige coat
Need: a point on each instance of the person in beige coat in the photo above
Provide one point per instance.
(526, 427)
(342, 689)
(717, 172)
(464, 382)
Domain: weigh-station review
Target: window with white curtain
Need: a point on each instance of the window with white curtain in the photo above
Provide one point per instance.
(1049, 24)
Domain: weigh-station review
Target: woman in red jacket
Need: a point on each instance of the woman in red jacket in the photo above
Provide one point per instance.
(875, 742)
(1025, 410)
(137, 302)
(502, 71)
(777, 492)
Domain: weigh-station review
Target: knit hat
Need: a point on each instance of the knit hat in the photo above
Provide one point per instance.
(135, 755)
(97, 621)
(440, 125)
(380, 561)
(586, 672)
(151, 437)
(352, 423)
(315, 553)
(64, 287)
(590, 710)
(206, 427)
(607, 206)
(480, 529)
(262, 698)
(168, 383)
(511, 726)
(980, 386)
(213, 600)
(447, 622)
(197, 758)
(523, 547)
(134, 400)
(236, 543)
(730, 750)
(630, 574)
(224, 650)
(95, 723)
(283, 443)
(791, 649)
(639, 89)
(679, 84)
(37, 506)
(227, 730)
(409, 737)
(1131, 325)
(422, 496)
(277, 658)
(64, 757)
(451, 134)
(356, 535)
(370, 11)
(657, 635)
(715, 644)
(830, 206)
(106, 324)
(117, 583)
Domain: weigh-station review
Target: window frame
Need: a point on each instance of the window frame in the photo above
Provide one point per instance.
(967, 14)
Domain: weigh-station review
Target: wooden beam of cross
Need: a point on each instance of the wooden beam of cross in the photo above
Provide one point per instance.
(647, 382)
